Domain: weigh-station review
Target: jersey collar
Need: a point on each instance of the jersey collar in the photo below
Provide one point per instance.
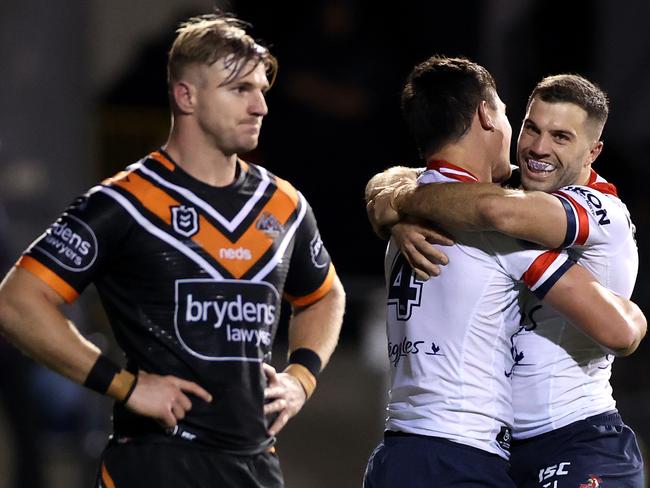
(451, 171)
(599, 183)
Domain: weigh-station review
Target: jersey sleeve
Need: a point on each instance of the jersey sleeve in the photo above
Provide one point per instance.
(75, 248)
(539, 269)
(593, 218)
(311, 272)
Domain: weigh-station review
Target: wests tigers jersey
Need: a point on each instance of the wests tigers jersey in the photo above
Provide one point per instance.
(191, 277)
(563, 376)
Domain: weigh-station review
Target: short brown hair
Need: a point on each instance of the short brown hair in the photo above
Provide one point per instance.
(574, 89)
(207, 38)
(440, 98)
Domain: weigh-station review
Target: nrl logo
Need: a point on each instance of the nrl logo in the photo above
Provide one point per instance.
(185, 220)
(268, 224)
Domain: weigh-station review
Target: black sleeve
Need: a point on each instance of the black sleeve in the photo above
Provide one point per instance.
(76, 247)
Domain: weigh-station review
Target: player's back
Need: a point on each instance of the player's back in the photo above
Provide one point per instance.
(563, 375)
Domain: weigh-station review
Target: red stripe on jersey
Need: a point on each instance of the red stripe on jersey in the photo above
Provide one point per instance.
(539, 267)
(439, 165)
(601, 186)
(583, 219)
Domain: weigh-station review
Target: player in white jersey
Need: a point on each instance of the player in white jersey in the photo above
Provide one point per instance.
(449, 412)
(566, 430)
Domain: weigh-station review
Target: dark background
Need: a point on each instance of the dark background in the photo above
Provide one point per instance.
(333, 122)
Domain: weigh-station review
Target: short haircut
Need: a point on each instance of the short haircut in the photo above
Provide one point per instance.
(205, 39)
(574, 89)
(440, 99)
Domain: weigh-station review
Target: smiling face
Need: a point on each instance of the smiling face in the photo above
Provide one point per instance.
(557, 144)
(230, 114)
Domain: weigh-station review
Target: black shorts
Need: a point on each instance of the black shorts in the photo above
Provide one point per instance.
(141, 464)
(414, 461)
(598, 452)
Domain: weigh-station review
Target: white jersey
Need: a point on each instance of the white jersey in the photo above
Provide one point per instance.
(562, 376)
(449, 338)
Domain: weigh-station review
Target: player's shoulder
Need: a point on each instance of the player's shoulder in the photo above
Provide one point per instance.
(279, 184)
(596, 201)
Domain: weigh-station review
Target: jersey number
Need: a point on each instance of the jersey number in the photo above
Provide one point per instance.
(404, 290)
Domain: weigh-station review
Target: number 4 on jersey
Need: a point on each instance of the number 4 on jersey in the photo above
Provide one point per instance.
(404, 289)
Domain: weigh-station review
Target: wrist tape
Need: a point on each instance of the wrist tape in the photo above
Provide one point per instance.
(108, 378)
(305, 365)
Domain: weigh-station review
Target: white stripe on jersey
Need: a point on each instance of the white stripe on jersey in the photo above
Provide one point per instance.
(162, 235)
(231, 225)
(268, 267)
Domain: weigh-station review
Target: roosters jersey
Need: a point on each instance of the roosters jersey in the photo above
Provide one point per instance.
(191, 277)
(562, 375)
(449, 339)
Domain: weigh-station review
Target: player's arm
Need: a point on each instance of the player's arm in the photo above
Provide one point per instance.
(533, 216)
(384, 183)
(415, 237)
(313, 334)
(31, 318)
(617, 324)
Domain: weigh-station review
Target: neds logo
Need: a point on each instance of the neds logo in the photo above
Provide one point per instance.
(241, 253)
(71, 243)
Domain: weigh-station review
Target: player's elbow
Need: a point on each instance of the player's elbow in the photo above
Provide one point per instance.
(629, 334)
(10, 310)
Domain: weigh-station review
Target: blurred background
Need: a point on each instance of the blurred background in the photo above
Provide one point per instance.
(83, 94)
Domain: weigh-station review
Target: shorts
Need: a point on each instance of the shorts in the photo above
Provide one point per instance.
(141, 464)
(598, 452)
(416, 461)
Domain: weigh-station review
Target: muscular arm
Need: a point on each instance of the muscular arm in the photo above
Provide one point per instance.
(617, 324)
(315, 327)
(533, 216)
(318, 325)
(30, 317)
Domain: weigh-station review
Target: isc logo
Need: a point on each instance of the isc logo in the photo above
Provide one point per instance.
(554, 470)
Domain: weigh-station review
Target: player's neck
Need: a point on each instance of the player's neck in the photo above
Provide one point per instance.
(201, 160)
(464, 156)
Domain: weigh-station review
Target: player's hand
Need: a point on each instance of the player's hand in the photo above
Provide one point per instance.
(415, 241)
(164, 398)
(380, 209)
(287, 395)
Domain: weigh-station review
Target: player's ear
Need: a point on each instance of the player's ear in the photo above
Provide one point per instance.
(183, 96)
(484, 117)
(594, 152)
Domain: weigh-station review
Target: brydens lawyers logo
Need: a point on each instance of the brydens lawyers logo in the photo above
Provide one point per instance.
(226, 320)
(185, 220)
(71, 243)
